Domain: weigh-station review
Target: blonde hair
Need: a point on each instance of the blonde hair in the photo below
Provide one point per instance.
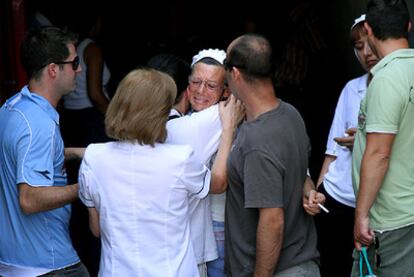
(140, 108)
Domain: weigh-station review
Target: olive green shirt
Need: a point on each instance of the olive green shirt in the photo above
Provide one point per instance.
(388, 107)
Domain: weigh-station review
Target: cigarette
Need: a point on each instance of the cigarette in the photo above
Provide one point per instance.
(323, 208)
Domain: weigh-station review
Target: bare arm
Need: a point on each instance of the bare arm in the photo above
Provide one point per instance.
(39, 199)
(74, 153)
(231, 113)
(94, 222)
(308, 186)
(95, 64)
(374, 166)
(325, 166)
(269, 240)
(218, 183)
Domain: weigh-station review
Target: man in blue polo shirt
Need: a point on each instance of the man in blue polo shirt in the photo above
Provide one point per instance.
(35, 198)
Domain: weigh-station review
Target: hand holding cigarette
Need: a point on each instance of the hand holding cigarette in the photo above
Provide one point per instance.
(313, 202)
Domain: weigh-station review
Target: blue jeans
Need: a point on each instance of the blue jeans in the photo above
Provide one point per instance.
(216, 268)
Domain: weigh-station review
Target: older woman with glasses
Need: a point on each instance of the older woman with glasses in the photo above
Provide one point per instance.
(204, 130)
(137, 188)
(206, 84)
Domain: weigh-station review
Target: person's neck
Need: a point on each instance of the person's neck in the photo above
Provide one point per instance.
(260, 99)
(180, 108)
(45, 91)
(390, 45)
(183, 105)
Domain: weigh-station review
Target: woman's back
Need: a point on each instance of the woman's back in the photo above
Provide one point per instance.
(141, 194)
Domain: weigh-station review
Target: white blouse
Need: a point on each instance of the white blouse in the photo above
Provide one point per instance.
(337, 181)
(201, 130)
(141, 194)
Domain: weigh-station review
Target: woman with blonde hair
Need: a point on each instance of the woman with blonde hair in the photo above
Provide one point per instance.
(137, 187)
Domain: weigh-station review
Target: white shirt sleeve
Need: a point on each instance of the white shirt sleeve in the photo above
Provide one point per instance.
(195, 179)
(200, 130)
(86, 182)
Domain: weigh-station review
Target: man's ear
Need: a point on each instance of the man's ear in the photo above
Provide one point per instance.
(368, 29)
(236, 74)
(410, 26)
(52, 69)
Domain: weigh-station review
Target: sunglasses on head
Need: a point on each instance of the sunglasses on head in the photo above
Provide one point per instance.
(74, 62)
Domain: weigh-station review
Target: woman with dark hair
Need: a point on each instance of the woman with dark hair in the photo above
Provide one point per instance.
(179, 70)
(85, 107)
(335, 177)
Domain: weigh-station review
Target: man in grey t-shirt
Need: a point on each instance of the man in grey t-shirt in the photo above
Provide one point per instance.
(267, 230)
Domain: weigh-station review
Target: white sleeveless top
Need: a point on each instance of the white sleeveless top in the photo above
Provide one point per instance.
(79, 99)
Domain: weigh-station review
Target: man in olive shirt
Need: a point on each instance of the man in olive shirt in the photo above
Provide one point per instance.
(383, 159)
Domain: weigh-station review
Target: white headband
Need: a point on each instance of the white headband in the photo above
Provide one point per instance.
(358, 20)
(216, 54)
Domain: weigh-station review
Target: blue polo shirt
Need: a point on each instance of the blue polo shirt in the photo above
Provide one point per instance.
(32, 152)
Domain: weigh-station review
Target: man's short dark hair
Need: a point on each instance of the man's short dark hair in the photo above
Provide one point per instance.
(388, 18)
(252, 54)
(43, 46)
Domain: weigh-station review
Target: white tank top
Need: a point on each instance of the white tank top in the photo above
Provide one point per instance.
(79, 99)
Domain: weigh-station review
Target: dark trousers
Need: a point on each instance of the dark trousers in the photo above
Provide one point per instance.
(76, 270)
(335, 237)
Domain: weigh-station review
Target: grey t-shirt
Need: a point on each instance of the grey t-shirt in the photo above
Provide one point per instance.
(266, 169)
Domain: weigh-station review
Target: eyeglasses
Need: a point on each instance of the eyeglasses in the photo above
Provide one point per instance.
(211, 86)
(228, 65)
(74, 62)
